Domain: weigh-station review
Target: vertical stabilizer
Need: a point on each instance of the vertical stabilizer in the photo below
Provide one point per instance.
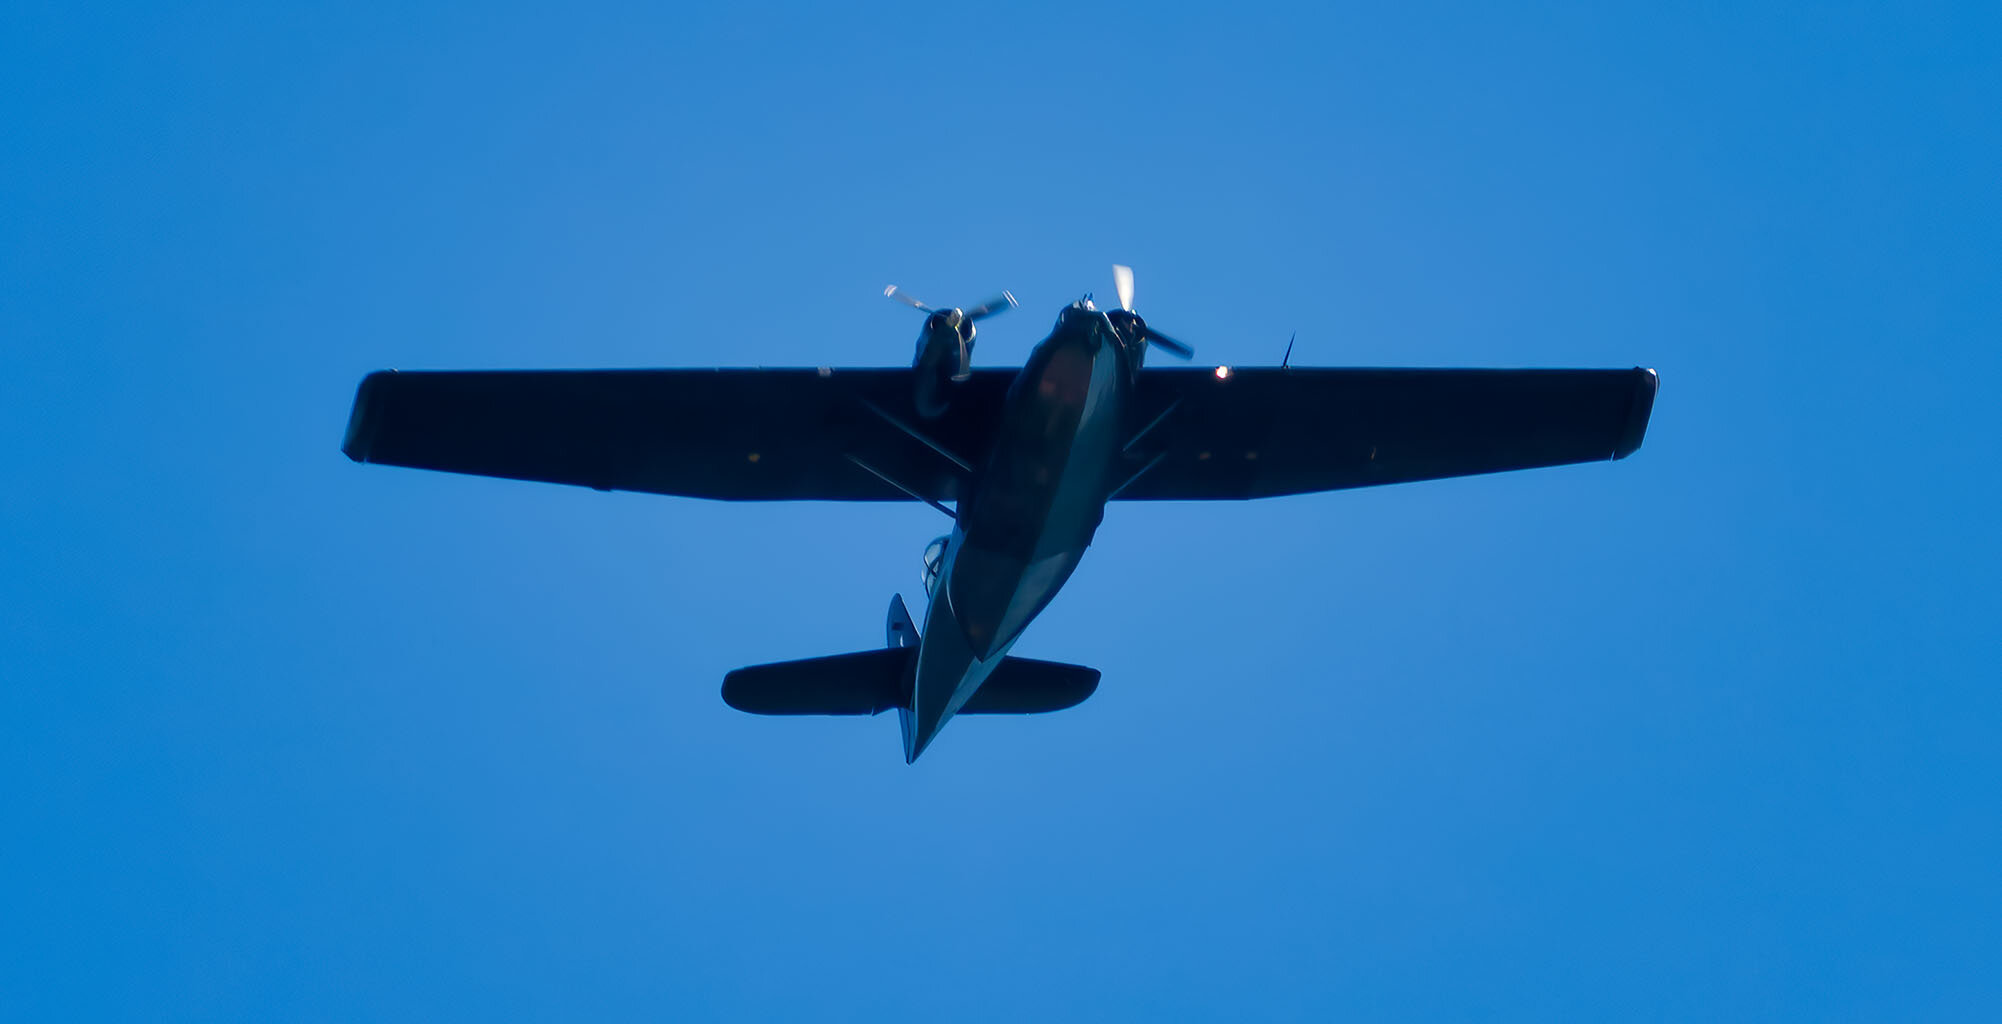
(900, 630)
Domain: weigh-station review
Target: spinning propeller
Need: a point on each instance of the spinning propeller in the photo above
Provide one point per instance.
(1122, 280)
(998, 304)
(945, 346)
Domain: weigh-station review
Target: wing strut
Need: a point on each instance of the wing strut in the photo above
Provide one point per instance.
(1151, 424)
(918, 434)
(1138, 473)
(886, 478)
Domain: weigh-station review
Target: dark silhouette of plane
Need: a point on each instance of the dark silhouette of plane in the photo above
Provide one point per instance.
(1024, 461)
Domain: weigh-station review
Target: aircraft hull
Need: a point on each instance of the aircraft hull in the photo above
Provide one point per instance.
(1022, 533)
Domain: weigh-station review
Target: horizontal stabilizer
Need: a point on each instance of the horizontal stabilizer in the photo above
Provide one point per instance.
(1025, 686)
(871, 682)
(865, 683)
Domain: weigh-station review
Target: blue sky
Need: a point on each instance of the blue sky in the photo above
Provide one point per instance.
(1708, 733)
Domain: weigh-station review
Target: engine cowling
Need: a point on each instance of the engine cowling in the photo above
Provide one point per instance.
(944, 358)
(945, 348)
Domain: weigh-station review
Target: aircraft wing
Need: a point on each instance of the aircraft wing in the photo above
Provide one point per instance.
(1258, 433)
(735, 435)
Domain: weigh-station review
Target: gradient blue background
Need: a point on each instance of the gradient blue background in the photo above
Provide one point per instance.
(1709, 733)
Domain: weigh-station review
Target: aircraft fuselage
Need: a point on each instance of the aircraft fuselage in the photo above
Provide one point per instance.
(1031, 512)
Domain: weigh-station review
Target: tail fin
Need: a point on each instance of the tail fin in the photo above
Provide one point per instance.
(872, 682)
(902, 631)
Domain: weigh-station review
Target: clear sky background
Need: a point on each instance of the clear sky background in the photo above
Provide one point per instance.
(1709, 733)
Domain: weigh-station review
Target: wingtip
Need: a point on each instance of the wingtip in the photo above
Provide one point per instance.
(366, 415)
(1646, 383)
(733, 693)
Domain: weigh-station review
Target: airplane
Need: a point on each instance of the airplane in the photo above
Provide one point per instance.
(1023, 461)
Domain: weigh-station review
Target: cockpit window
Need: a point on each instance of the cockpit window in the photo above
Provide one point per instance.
(1076, 309)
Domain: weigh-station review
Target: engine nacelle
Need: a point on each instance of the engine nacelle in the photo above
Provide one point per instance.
(944, 358)
(945, 348)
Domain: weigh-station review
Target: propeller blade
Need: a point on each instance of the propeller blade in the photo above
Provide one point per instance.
(1170, 345)
(1122, 281)
(905, 297)
(1001, 303)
